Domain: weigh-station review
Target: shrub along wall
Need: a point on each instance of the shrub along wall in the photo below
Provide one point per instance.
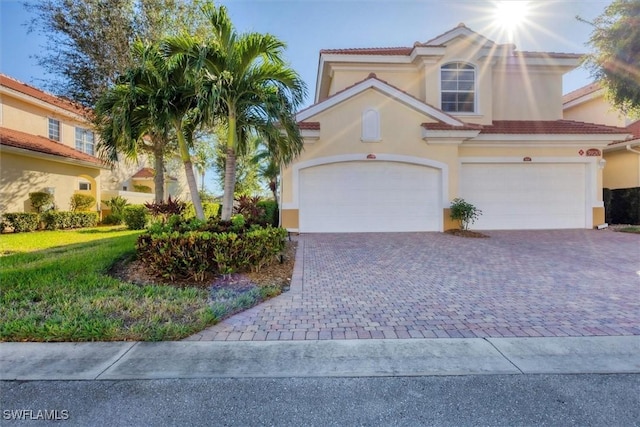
(622, 206)
(57, 220)
(195, 254)
(21, 221)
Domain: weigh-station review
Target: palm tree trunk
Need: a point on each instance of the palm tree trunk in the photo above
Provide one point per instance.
(158, 179)
(188, 170)
(229, 171)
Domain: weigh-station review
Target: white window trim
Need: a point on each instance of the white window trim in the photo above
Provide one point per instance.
(49, 129)
(476, 95)
(370, 115)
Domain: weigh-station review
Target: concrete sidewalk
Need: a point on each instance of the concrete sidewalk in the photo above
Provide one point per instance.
(345, 358)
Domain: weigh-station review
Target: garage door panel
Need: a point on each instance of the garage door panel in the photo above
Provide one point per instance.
(369, 196)
(526, 196)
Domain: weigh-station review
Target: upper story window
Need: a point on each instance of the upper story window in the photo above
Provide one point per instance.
(84, 141)
(458, 88)
(54, 129)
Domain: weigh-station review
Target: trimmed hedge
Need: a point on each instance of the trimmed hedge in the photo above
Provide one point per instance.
(57, 220)
(271, 215)
(135, 217)
(22, 221)
(195, 254)
(622, 205)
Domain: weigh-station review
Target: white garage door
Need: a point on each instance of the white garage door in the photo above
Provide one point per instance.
(370, 196)
(526, 196)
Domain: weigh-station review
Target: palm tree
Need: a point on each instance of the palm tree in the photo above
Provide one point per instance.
(127, 125)
(243, 82)
(154, 99)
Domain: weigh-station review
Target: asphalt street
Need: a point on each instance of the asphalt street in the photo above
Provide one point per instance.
(496, 400)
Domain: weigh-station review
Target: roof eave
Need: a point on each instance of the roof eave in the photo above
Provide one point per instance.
(52, 157)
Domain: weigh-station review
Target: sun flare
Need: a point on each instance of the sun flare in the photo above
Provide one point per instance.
(510, 14)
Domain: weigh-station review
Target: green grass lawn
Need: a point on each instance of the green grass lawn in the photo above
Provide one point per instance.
(55, 287)
(631, 229)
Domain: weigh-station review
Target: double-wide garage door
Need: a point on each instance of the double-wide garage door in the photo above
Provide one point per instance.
(526, 196)
(370, 196)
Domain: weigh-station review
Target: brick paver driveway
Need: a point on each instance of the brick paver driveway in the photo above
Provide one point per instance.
(416, 285)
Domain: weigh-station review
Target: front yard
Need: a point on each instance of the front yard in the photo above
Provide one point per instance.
(57, 286)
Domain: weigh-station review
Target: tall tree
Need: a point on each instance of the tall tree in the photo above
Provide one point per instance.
(88, 41)
(247, 179)
(130, 117)
(615, 60)
(154, 98)
(243, 81)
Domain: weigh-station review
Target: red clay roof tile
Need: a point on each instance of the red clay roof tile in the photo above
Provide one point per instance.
(578, 93)
(145, 173)
(26, 89)
(40, 144)
(549, 127)
(557, 127)
(309, 125)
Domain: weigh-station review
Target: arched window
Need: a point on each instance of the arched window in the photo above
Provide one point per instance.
(370, 126)
(458, 88)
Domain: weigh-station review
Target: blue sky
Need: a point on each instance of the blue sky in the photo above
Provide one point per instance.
(308, 26)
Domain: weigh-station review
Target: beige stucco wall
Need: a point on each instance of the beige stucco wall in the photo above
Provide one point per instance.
(622, 170)
(29, 118)
(21, 175)
(341, 128)
(404, 77)
(596, 110)
(526, 94)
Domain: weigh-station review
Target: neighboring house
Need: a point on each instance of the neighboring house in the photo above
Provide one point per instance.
(622, 169)
(47, 144)
(396, 134)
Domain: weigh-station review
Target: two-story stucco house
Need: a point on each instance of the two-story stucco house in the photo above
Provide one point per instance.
(395, 134)
(47, 144)
(622, 168)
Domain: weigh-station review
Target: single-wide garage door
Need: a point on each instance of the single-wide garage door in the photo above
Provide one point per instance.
(526, 196)
(369, 196)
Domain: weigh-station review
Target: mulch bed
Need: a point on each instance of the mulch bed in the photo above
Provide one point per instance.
(466, 233)
(276, 274)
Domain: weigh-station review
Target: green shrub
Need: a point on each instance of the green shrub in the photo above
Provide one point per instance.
(163, 210)
(57, 220)
(135, 217)
(117, 205)
(625, 206)
(464, 212)
(271, 215)
(22, 221)
(195, 254)
(211, 210)
(81, 202)
(41, 201)
(237, 222)
(113, 219)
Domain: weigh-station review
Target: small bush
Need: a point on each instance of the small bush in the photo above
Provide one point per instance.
(41, 201)
(22, 221)
(464, 212)
(57, 220)
(211, 210)
(135, 217)
(238, 222)
(117, 205)
(81, 202)
(113, 219)
(164, 210)
(195, 254)
(270, 215)
(249, 208)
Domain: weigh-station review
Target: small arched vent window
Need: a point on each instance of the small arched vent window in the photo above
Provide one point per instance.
(370, 126)
(458, 88)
